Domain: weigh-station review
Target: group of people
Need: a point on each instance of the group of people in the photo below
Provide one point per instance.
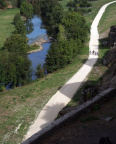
(93, 52)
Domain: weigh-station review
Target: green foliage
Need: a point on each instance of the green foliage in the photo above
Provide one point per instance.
(17, 3)
(26, 9)
(52, 58)
(20, 28)
(53, 11)
(61, 53)
(61, 34)
(19, 25)
(75, 26)
(2, 4)
(2, 72)
(16, 68)
(40, 73)
(2, 87)
(29, 26)
(16, 43)
(84, 3)
(81, 3)
(17, 18)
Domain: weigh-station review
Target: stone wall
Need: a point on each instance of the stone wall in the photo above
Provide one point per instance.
(112, 36)
(69, 117)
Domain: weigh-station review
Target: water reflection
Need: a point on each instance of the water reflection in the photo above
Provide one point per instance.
(38, 29)
(38, 58)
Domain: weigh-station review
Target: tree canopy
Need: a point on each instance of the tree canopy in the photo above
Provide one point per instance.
(16, 43)
(14, 68)
(75, 26)
(26, 9)
(2, 4)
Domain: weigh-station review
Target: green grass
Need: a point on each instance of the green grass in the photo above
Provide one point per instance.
(96, 5)
(20, 106)
(108, 18)
(6, 26)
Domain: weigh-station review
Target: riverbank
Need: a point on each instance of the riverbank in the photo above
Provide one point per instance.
(39, 42)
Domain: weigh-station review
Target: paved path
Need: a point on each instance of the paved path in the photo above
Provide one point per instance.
(64, 95)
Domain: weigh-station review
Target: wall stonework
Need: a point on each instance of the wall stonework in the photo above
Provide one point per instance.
(67, 118)
(112, 36)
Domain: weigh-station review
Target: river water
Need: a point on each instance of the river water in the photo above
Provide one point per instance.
(37, 29)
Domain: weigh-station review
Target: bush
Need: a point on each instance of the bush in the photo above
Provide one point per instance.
(40, 73)
(17, 18)
(2, 87)
(16, 43)
(2, 4)
(26, 9)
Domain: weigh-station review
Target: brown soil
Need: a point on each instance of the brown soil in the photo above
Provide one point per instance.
(89, 128)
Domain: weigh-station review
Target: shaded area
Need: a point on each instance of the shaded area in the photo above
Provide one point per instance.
(89, 128)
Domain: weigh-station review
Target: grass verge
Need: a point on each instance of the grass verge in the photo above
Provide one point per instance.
(6, 26)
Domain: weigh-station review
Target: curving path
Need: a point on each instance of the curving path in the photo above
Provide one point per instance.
(64, 95)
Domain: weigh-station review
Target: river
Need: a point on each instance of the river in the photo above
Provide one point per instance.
(37, 30)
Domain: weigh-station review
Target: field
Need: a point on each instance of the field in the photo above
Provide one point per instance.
(20, 106)
(6, 26)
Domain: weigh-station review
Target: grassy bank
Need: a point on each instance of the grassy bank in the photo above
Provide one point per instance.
(108, 19)
(6, 26)
(20, 106)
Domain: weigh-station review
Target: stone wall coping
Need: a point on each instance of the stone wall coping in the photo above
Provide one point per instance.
(74, 114)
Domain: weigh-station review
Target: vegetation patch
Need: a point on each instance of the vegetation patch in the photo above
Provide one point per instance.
(6, 24)
(89, 118)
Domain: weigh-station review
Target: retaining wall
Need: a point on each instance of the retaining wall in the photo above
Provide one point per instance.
(67, 118)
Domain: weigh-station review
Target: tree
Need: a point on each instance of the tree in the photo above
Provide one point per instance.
(2, 4)
(52, 58)
(16, 43)
(29, 26)
(53, 11)
(26, 9)
(40, 73)
(61, 53)
(75, 26)
(2, 72)
(20, 28)
(61, 34)
(15, 68)
(17, 18)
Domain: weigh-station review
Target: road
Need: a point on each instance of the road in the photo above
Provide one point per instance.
(64, 95)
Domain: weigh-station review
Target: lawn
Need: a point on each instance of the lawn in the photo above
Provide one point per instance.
(6, 26)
